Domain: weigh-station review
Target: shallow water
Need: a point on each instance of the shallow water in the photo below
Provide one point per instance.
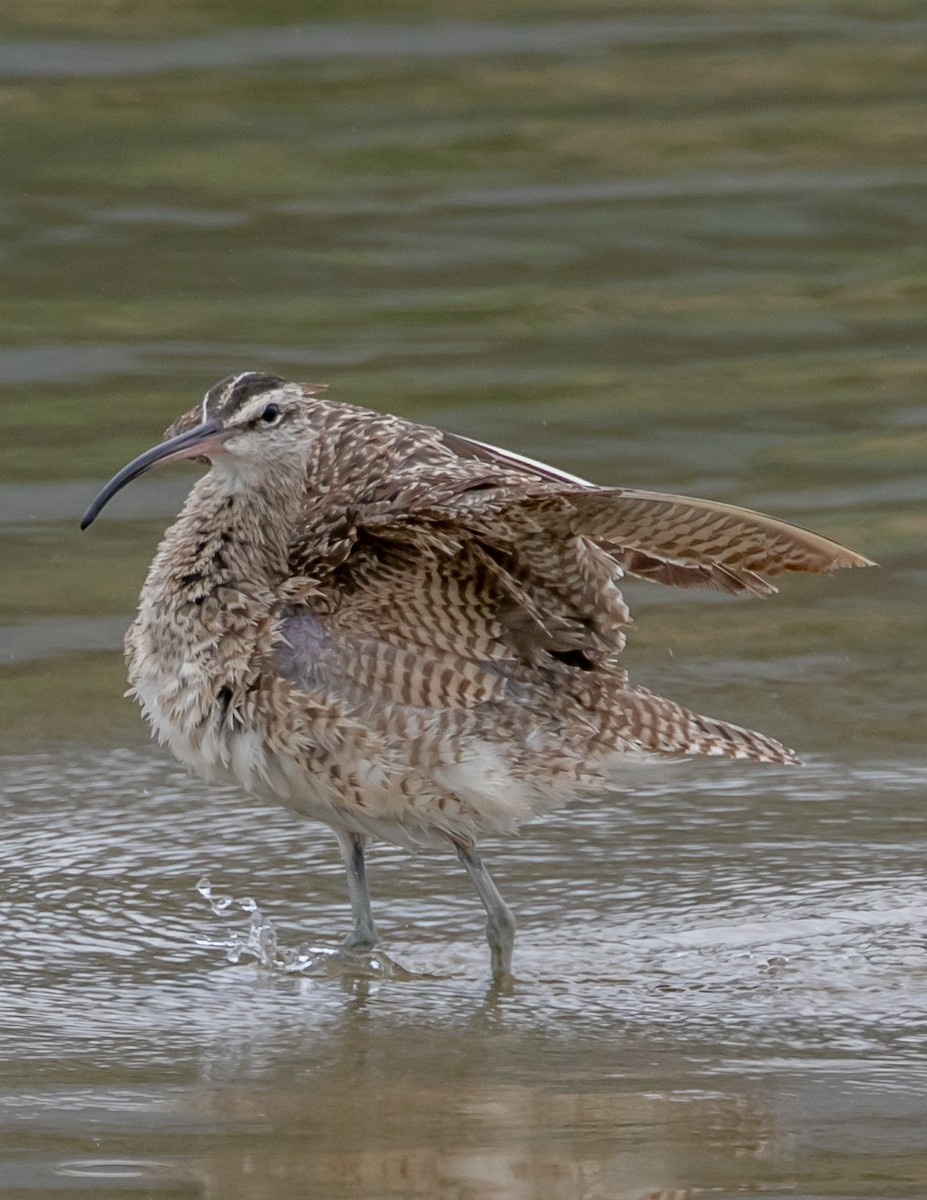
(678, 247)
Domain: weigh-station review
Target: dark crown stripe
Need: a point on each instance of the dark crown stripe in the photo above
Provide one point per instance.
(229, 394)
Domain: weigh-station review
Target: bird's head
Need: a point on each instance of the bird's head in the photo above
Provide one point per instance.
(247, 425)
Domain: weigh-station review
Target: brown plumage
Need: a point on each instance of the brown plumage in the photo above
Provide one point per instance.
(413, 636)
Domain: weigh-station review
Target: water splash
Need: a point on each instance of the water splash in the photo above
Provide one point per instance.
(259, 943)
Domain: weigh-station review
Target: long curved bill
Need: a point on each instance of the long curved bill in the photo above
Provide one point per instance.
(204, 439)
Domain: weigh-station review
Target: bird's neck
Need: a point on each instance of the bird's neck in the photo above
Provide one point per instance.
(227, 536)
(206, 612)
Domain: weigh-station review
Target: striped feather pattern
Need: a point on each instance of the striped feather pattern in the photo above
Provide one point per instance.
(413, 635)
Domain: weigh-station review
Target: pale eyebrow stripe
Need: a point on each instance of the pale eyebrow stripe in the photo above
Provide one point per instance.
(228, 391)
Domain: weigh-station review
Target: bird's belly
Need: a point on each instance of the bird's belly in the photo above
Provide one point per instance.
(363, 781)
(390, 798)
(476, 791)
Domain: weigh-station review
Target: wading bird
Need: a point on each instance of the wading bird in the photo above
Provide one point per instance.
(412, 636)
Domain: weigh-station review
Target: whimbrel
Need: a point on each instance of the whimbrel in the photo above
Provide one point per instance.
(413, 636)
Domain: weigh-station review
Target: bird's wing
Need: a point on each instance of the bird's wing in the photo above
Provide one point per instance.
(437, 584)
(469, 645)
(351, 658)
(560, 553)
(684, 530)
(499, 608)
(461, 553)
(677, 540)
(527, 570)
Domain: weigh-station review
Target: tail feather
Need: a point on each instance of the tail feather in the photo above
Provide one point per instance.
(720, 739)
(642, 720)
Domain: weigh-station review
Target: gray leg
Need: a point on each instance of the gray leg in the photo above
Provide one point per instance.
(500, 926)
(364, 936)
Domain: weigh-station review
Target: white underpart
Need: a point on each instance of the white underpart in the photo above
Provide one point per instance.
(541, 468)
(485, 782)
(236, 475)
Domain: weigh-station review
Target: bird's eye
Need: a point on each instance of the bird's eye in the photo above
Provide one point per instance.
(272, 414)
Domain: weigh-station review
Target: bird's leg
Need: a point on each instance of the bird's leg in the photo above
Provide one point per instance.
(500, 925)
(364, 935)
